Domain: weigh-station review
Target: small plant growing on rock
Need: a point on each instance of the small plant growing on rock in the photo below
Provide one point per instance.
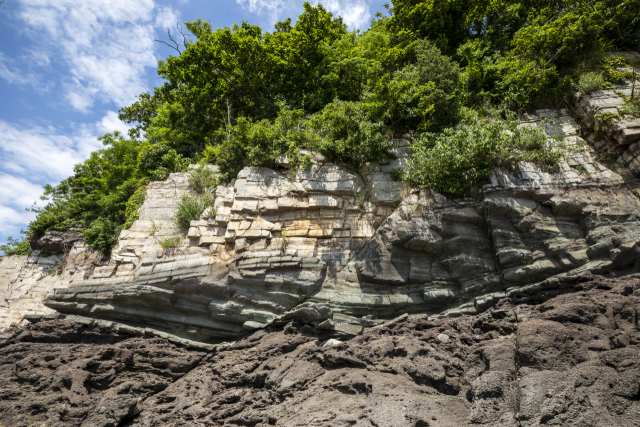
(591, 81)
(582, 170)
(283, 236)
(202, 179)
(155, 227)
(361, 199)
(190, 209)
(168, 242)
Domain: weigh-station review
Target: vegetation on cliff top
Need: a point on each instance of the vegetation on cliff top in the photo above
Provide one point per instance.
(240, 96)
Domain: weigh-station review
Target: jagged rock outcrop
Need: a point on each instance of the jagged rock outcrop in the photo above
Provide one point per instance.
(57, 242)
(566, 356)
(354, 242)
(358, 243)
(352, 299)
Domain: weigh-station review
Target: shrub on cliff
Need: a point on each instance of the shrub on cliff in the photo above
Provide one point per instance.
(455, 160)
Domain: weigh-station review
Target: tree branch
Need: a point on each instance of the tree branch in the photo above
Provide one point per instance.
(177, 46)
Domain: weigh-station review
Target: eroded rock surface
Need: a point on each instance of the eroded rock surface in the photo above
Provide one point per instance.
(353, 241)
(567, 355)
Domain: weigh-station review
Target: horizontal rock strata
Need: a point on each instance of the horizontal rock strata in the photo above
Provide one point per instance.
(354, 242)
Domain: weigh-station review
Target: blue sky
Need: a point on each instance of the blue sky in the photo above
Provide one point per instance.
(67, 66)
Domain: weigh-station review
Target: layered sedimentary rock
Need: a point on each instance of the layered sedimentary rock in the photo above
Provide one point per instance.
(567, 356)
(353, 300)
(361, 245)
(26, 280)
(354, 247)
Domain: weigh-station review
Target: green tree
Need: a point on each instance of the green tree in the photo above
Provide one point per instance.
(99, 189)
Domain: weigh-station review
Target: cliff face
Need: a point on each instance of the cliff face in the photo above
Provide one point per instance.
(361, 302)
(352, 248)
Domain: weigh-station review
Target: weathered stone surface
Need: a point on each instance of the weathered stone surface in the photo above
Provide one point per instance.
(567, 355)
(357, 242)
(57, 242)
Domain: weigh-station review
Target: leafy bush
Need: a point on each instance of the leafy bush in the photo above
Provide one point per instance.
(259, 143)
(455, 160)
(190, 209)
(16, 247)
(102, 235)
(344, 131)
(202, 178)
(157, 161)
(421, 96)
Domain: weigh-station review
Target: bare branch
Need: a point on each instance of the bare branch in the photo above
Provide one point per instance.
(184, 37)
(176, 47)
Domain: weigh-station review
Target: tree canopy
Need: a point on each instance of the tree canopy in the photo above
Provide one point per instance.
(239, 96)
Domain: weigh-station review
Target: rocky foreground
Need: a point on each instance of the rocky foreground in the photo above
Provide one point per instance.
(567, 357)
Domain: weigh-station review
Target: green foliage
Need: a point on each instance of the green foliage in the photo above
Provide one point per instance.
(202, 178)
(157, 161)
(141, 113)
(15, 247)
(190, 208)
(607, 119)
(132, 209)
(582, 170)
(420, 96)
(102, 234)
(259, 143)
(632, 106)
(169, 242)
(590, 81)
(453, 161)
(346, 133)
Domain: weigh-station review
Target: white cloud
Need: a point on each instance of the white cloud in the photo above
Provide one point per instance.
(167, 18)
(43, 153)
(39, 57)
(18, 191)
(106, 45)
(355, 13)
(13, 75)
(256, 6)
(110, 122)
(13, 219)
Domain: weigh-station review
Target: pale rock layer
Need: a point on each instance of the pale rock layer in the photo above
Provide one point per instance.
(349, 249)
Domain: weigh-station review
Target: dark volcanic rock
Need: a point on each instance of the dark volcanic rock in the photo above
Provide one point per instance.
(571, 359)
(56, 242)
(61, 373)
